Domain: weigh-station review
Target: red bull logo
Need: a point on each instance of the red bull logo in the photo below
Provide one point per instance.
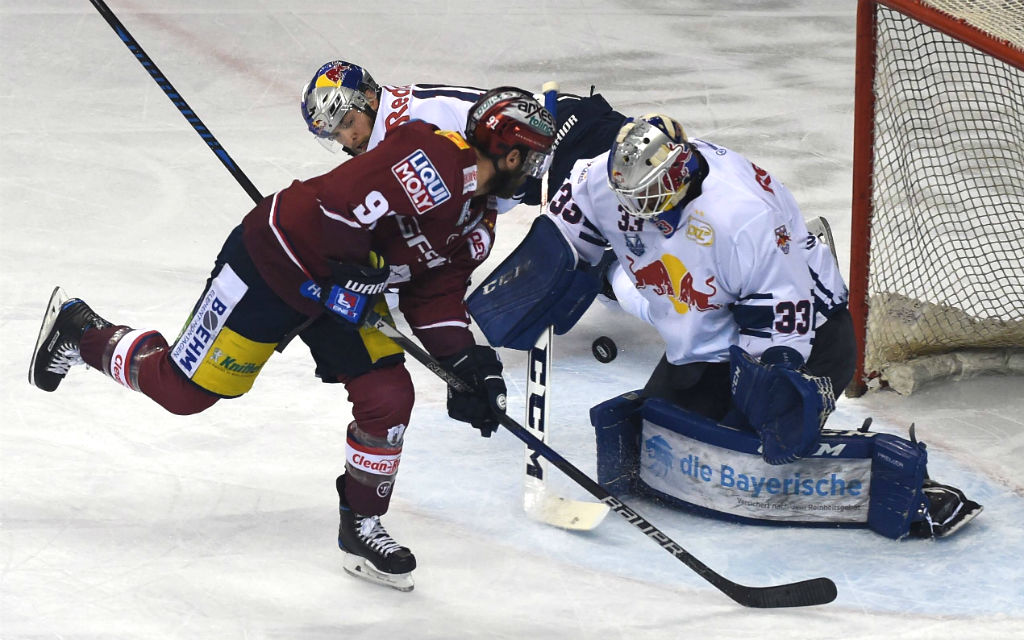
(670, 277)
(335, 73)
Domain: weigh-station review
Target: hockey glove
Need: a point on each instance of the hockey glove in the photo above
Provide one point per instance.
(479, 367)
(786, 406)
(354, 289)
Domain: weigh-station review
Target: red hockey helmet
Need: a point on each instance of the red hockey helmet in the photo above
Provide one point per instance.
(507, 117)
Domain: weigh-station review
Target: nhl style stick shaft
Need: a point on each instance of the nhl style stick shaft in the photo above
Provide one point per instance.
(796, 594)
(539, 502)
(178, 101)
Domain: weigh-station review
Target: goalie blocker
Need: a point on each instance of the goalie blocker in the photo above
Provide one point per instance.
(538, 285)
(851, 479)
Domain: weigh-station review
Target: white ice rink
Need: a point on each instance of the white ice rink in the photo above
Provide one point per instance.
(118, 520)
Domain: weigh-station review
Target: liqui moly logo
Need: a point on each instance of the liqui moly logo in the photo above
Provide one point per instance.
(421, 181)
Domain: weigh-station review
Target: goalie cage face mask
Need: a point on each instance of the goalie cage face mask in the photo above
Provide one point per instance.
(650, 165)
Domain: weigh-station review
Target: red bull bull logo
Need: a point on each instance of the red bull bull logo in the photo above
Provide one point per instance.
(669, 277)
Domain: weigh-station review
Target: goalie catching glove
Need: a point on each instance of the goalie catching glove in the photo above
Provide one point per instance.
(479, 367)
(354, 289)
(786, 406)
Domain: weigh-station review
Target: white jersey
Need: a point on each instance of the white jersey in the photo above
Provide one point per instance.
(444, 106)
(739, 268)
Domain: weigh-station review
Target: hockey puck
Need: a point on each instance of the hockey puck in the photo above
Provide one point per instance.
(604, 349)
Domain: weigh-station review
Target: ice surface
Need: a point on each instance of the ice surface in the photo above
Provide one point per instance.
(122, 521)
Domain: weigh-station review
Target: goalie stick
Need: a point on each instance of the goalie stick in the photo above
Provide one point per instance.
(538, 501)
(819, 228)
(795, 594)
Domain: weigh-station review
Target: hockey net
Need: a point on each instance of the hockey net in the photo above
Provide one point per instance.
(937, 246)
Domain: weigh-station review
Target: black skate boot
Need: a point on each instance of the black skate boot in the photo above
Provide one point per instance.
(371, 553)
(56, 351)
(948, 510)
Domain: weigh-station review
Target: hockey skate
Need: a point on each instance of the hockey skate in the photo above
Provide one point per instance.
(370, 552)
(56, 349)
(948, 510)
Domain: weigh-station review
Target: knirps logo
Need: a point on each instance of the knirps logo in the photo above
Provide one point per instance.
(421, 181)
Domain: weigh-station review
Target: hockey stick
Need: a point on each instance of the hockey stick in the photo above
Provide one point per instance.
(796, 594)
(538, 502)
(175, 97)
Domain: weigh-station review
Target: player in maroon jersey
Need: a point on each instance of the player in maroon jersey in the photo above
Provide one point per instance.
(415, 215)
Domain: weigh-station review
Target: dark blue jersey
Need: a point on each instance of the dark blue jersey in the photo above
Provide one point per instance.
(587, 126)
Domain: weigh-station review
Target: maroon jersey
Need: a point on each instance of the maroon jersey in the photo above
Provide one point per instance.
(410, 200)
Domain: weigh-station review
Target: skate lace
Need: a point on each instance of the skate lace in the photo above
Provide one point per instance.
(376, 537)
(65, 357)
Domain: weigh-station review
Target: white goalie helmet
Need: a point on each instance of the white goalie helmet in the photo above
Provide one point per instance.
(650, 165)
(336, 88)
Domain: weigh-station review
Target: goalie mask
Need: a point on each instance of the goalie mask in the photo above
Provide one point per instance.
(650, 165)
(336, 88)
(506, 118)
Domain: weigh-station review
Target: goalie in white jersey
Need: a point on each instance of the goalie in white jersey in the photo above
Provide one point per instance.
(713, 252)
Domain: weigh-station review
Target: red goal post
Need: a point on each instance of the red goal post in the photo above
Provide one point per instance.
(937, 231)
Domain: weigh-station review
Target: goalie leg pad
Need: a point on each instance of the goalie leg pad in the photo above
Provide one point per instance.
(536, 286)
(852, 478)
(897, 475)
(617, 427)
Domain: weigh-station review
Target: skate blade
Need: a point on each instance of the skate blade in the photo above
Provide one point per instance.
(970, 515)
(57, 300)
(360, 567)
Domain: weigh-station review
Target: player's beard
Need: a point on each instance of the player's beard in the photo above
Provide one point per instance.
(505, 183)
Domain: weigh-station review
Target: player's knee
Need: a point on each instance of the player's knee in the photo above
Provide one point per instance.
(382, 398)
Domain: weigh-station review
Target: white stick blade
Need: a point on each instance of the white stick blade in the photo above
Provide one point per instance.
(560, 512)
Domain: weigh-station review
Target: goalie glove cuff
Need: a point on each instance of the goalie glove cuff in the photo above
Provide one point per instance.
(787, 408)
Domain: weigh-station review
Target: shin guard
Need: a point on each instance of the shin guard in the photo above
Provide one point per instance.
(138, 360)
(382, 402)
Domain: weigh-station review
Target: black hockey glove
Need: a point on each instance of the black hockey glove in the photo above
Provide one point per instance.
(480, 368)
(354, 289)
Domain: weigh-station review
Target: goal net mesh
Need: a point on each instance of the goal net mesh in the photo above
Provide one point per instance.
(946, 264)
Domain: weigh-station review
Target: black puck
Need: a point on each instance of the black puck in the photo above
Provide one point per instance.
(604, 349)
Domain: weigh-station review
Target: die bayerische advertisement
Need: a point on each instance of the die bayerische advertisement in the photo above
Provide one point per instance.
(825, 489)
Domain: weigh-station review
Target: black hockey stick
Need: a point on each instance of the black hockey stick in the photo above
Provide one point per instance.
(176, 98)
(796, 594)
